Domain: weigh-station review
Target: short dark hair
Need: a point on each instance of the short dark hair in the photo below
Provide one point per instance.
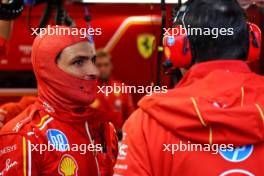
(217, 14)
(102, 53)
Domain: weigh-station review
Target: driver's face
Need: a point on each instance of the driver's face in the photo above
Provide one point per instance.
(79, 60)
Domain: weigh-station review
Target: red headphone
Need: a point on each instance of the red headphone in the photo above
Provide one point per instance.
(178, 52)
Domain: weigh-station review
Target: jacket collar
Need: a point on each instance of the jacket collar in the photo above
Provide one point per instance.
(200, 70)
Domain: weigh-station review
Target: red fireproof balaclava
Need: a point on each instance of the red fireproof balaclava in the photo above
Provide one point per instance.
(59, 93)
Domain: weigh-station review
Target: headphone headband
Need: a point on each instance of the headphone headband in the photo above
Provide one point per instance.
(178, 51)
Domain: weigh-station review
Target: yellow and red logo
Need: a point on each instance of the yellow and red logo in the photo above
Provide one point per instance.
(68, 166)
(146, 44)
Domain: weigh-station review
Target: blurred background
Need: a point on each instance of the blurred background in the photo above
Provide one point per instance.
(131, 33)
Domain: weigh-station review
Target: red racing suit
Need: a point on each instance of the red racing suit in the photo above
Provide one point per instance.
(24, 143)
(211, 124)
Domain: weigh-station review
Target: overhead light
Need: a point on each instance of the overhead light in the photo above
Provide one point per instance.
(131, 1)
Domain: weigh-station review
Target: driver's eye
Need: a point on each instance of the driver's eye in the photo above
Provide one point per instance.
(78, 62)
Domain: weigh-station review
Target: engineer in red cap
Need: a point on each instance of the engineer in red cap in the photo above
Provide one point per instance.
(60, 134)
(212, 122)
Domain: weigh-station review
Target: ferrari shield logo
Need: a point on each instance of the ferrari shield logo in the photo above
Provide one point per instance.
(146, 44)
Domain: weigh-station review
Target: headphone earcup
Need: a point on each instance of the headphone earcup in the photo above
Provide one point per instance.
(254, 42)
(177, 48)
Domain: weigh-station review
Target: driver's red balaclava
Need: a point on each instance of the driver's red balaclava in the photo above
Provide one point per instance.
(60, 93)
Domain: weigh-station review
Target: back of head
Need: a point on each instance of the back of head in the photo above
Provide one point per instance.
(218, 16)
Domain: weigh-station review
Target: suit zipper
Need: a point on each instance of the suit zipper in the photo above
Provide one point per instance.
(92, 142)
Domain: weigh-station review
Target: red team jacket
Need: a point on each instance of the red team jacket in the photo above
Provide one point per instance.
(218, 102)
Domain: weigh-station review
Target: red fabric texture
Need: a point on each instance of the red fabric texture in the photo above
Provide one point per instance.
(30, 129)
(119, 103)
(2, 46)
(217, 102)
(14, 108)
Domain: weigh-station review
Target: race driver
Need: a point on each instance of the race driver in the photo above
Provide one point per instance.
(60, 134)
(212, 123)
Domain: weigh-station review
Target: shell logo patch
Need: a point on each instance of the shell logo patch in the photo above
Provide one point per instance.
(68, 166)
